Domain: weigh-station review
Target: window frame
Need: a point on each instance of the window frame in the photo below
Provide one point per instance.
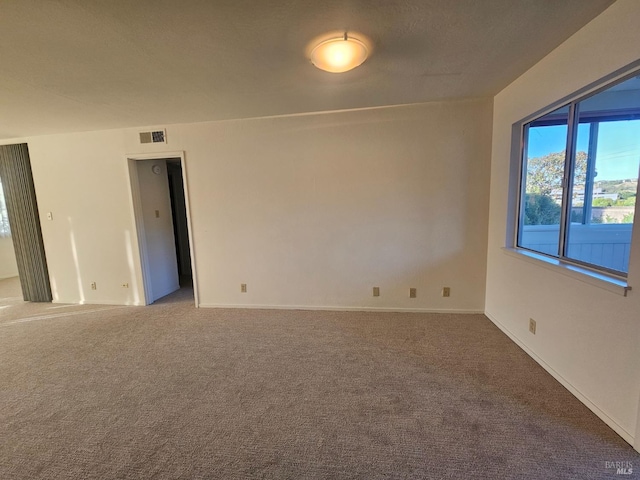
(516, 205)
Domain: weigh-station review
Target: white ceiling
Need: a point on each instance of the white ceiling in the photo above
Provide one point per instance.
(73, 65)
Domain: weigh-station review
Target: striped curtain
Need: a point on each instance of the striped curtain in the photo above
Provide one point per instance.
(22, 209)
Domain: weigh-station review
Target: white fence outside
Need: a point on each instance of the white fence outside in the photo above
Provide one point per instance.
(607, 245)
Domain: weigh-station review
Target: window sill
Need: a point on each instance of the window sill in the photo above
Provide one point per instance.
(597, 279)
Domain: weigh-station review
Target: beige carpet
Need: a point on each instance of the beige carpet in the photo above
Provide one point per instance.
(169, 391)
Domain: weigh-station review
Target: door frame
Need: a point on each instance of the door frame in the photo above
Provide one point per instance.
(136, 210)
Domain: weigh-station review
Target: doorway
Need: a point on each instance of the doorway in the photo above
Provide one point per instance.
(161, 209)
(179, 216)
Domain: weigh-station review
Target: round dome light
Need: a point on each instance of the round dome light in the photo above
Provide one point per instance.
(339, 54)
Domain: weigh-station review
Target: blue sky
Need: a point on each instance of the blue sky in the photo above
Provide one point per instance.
(617, 155)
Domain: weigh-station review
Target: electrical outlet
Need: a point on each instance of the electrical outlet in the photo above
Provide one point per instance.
(94, 286)
(125, 285)
(413, 293)
(376, 291)
(243, 288)
(446, 292)
(532, 326)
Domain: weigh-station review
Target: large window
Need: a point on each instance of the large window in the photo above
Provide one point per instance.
(580, 179)
(4, 217)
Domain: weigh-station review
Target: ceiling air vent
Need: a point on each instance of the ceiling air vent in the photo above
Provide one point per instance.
(158, 136)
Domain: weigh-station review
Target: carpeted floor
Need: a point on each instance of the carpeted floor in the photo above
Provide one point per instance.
(170, 391)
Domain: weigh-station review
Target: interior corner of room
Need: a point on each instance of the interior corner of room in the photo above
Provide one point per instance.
(379, 191)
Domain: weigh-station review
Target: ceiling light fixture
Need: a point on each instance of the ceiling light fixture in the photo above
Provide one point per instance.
(339, 54)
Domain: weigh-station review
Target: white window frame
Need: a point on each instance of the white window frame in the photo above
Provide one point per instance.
(600, 276)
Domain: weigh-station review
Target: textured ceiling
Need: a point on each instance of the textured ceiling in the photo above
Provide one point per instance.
(73, 65)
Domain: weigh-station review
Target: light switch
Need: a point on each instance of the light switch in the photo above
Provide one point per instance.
(49, 216)
(157, 213)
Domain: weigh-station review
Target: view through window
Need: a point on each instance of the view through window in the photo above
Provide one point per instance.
(4, 217)
(580, 179)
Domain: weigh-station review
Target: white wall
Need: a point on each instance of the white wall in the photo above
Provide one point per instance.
(83, 180)
(158, 228)
(314, 211)
(309, 211)
(587, 336)
(8, 266)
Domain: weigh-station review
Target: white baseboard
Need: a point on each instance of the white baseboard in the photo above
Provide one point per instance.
(613, 424)
(341, 309)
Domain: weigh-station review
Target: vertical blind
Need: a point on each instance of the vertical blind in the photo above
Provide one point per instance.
(22, 209)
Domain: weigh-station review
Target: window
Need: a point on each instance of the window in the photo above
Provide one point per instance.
(4, 217)
(580, 179)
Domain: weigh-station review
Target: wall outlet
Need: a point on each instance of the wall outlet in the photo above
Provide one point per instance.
(446, 291)
(125, 285)
(413, 293)
(243, 288)
(94, 286)
(376, 291)
(532, 326)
